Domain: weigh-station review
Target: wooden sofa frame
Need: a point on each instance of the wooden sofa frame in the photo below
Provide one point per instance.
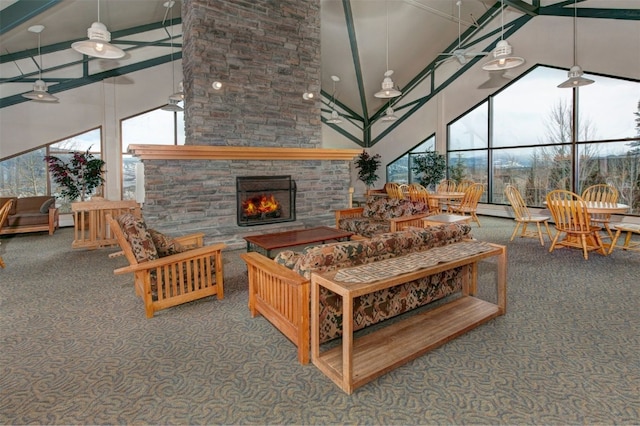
(283, 297)
(395, 224)
(193, 266)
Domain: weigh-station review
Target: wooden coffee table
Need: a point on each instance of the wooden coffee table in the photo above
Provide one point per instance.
(265, 243)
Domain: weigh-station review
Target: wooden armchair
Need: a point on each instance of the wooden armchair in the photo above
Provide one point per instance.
(523, 216)
(418, 193)
(469, 203)
(4, 212)
(603, 193)
(188, 271)
(571, 218)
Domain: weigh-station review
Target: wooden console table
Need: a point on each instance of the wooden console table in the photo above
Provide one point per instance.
(357, 362)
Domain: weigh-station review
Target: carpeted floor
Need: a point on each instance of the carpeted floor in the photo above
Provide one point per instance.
(76, 348)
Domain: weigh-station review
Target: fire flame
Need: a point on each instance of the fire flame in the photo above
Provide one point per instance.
(262, 204)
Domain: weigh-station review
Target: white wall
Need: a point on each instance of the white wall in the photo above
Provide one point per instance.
(33, 124)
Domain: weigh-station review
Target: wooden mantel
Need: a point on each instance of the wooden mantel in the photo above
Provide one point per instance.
(205, 152)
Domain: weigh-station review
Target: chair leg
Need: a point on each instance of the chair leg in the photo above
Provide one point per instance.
(546, 225)
(553, 243)
(475, 219)
(515, 231)
(585, 252)
(614, 240)
(2, 265)
(540, 233)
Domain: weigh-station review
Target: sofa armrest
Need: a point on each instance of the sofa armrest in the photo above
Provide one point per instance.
(214, 249)
(191, 240)
(347, 214)
(399, 223)
(54, 220)
(282, 297)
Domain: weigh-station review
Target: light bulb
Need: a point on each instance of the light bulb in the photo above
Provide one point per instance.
(99, 47)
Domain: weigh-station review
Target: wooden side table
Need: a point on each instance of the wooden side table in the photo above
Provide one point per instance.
(357, 362)
(440, 219)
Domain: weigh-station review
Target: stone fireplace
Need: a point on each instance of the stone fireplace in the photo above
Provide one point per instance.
(265, 199)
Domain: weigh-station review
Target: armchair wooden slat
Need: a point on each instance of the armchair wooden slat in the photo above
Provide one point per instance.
(177, 278)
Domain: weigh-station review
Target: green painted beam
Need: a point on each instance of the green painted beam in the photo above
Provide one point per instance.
(21, 11)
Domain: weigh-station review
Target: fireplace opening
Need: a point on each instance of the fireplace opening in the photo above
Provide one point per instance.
(265, 199)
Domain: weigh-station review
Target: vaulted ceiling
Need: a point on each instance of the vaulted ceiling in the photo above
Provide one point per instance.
(354, 39)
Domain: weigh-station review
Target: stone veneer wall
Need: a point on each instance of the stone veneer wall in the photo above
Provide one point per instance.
(266, 53)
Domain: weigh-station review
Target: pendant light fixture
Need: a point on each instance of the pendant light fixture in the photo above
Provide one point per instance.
(388, 87)
(39, 92)
(175, 98)
(335, 117)
(98, 44)
(389, 115)
(575, 73)
(502, 58)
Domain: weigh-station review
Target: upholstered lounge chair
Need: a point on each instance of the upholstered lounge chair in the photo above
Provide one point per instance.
(167, 271)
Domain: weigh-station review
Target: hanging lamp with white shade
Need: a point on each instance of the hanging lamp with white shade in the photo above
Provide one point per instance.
(503, 59)
(39, 92)
(98, 45)
(388, 87)
(575, 73)
(176, 97)
(389, 114)
(335, 117)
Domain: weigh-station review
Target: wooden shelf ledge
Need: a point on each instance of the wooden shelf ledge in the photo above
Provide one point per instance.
(201, 152)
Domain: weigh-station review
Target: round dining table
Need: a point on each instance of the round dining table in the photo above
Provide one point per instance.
(599, 207)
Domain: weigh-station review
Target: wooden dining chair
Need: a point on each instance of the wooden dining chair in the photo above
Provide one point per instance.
(446, 185)
(469, 203)
(394, 190)
(463, 185)
(572, 220)
(523, 216)
(418, 193)
(4, 212)
(602, 193)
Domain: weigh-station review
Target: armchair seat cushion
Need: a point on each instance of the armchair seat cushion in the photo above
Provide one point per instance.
(365, 227)
(26, 219)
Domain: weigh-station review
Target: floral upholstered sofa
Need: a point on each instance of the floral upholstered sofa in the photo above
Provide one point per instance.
(279, 289)
(380, 215)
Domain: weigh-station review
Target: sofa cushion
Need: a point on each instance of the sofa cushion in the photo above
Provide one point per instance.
(329, 257)
(165, 245)
(138, 236)
(44, 208)
(27, 219)
(13, 207)
(31, 204)
(365, 227)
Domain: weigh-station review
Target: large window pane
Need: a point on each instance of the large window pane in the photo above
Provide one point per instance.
(608, 108)
(533, 111)
(471, 131)
(157, 127)
(612, 163)
(399, 170)
(24, 175)
(474, 165)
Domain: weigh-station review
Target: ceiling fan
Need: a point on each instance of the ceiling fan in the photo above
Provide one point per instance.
(462, 55)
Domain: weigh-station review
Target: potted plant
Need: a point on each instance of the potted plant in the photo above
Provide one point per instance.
(367, 166)
(78, 177)
(430, 168)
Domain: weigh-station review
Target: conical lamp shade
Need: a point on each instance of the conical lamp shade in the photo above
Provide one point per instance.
(98, 44)
(40, 93)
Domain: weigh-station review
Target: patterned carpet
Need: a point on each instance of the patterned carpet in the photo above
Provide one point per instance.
(76, 348)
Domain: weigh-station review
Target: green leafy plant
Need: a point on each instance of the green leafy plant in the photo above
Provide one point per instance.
(78, 177)
(367, 166)
(429, 168)
(457, 172)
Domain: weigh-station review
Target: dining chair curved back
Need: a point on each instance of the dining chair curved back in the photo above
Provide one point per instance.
(446, 185)
(572, 219)
(4, 212)
(394, 190)
(603, 193)
(463, 185)
(523, 216)
(469, 203)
